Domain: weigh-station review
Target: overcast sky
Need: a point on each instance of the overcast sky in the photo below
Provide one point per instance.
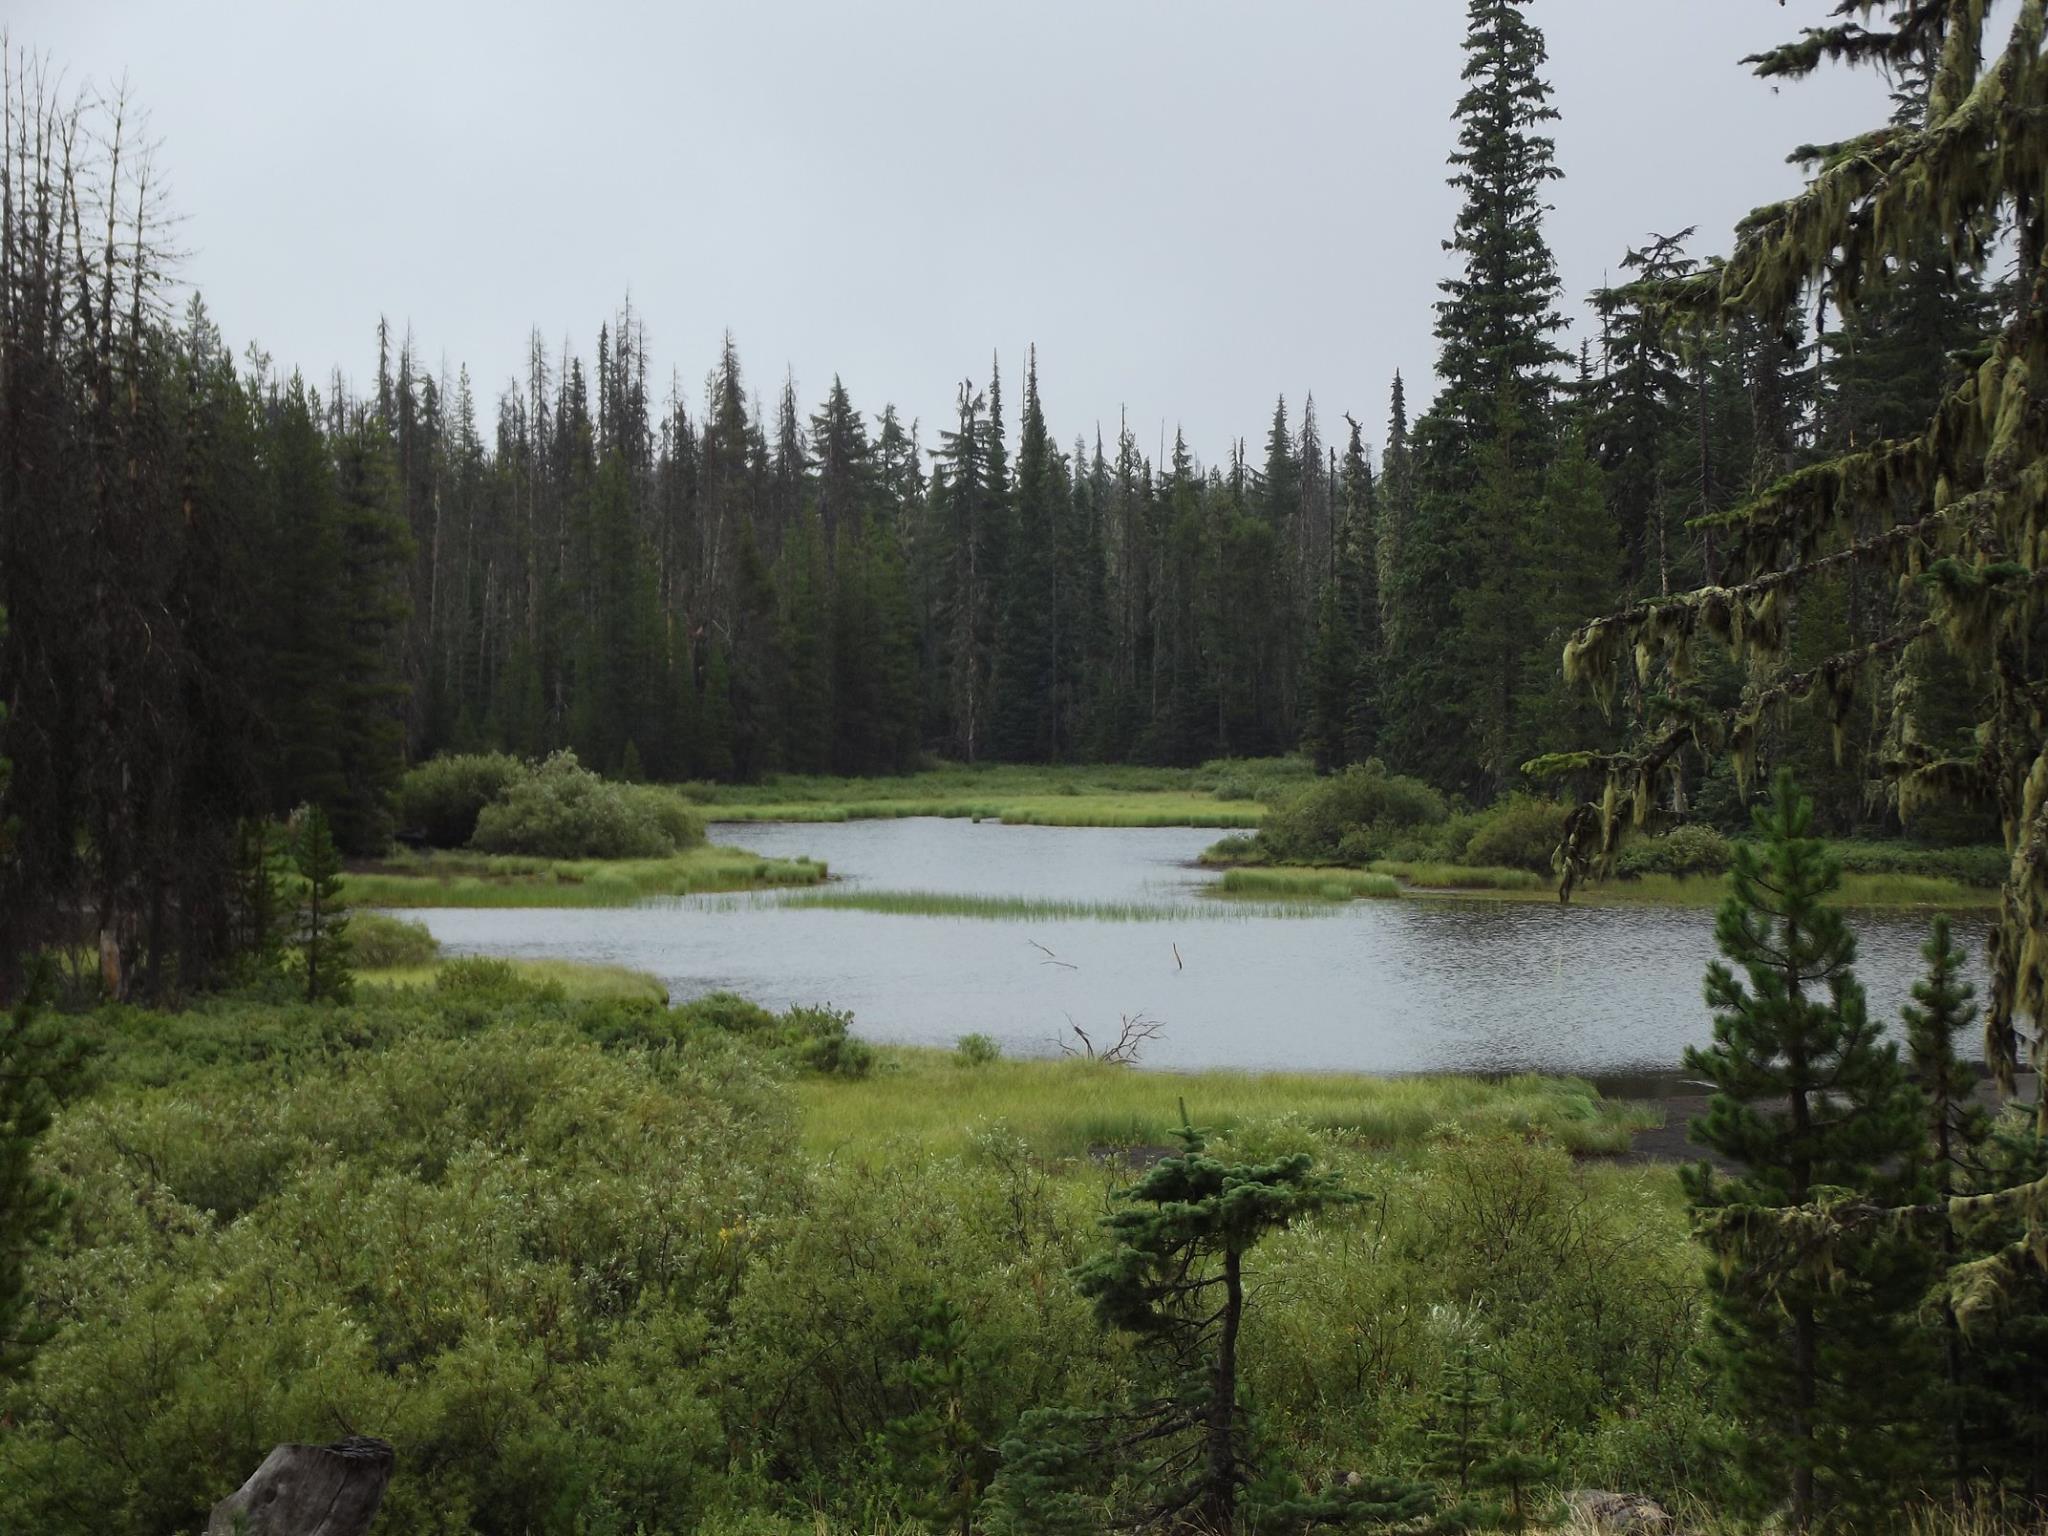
(1190, 207)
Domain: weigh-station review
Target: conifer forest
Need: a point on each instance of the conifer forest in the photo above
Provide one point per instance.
(658, 949)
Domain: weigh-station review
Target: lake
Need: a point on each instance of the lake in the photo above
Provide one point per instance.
(1422, 984)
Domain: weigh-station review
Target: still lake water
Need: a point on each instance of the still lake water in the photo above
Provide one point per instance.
(1415, 985)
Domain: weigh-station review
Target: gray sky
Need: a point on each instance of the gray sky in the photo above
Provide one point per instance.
(1189, 206)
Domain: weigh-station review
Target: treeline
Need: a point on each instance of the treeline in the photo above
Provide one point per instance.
(231, 592)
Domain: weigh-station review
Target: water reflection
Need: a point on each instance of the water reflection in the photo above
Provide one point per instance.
(1388, 986)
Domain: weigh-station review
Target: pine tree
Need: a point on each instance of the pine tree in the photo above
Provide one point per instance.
(1460, 1437)
(1808, 1097)
(1024, 727)
(1173, 1277)
(1513, 1470)
(323, 921)
(1482, 448)
(368, 648)
(939, 1453)
(1948, 1160)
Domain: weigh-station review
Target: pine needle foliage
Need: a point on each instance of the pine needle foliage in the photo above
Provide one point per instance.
(1809, 1096)
(322, 919)
(1953, 511)
(1184, 1454)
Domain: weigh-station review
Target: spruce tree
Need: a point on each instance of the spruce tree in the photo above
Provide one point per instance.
(1174, 1278)
(323, 921)
(1026, 664)
(1483, 447)
(1808, 1097)
(1948, 1160)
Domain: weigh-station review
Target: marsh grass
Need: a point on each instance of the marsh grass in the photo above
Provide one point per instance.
(1427, 875)
(1031, 908)
(576, 979)
(1436, 878)
(1307, 884)
(511, 880)
(1064, 1109)
(1225, 793)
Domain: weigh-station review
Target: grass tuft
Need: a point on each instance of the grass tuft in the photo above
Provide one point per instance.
(596, 983)
(1309, 884)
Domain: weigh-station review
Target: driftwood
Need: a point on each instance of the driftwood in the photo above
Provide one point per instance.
(309, 1490)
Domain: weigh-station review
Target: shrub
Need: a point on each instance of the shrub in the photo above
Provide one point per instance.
(977, 1050)
(1318, 824)
(381, 943)
(482, 977)
(825, 1042)
(1687, 850)
(730, 1012)
(441, 799)
(1238, 848)
(1522, 832)
(564, 811)
(1978, 865)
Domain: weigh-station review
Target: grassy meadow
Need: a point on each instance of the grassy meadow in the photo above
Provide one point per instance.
(1223, 794)
(1061, 1110)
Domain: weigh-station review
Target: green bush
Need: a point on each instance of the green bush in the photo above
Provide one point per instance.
(1350, 817)
(483, 976)
(563, 811)
(1972, 865)
(1237, 848)
(730, 1012)
(440, 800)
(506, 1252)
(1522, 832)
(380, 943)
(977, 1050)
(1687, 850)
(825, 1042)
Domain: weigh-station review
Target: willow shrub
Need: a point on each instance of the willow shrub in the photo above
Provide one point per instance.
(503, 1252)
(561, 810)
(1351, 817)
(439, 800)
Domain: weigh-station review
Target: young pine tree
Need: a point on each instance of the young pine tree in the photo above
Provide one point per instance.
(1174, 1278)
(323, 921)
(1808, 1097)
(1954, 1130)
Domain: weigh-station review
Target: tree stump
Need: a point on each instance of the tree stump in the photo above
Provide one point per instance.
(309, 1490)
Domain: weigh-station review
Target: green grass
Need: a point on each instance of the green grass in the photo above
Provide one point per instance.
(1426, 875)
(1443, 878)
(1296, 883)
(1226, 793)
(1062, 1109)
(1029, 908)
(508, 880)
(1132, 809)
(596, 983)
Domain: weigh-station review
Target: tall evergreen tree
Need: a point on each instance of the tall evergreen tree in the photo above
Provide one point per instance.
(1483, 446)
